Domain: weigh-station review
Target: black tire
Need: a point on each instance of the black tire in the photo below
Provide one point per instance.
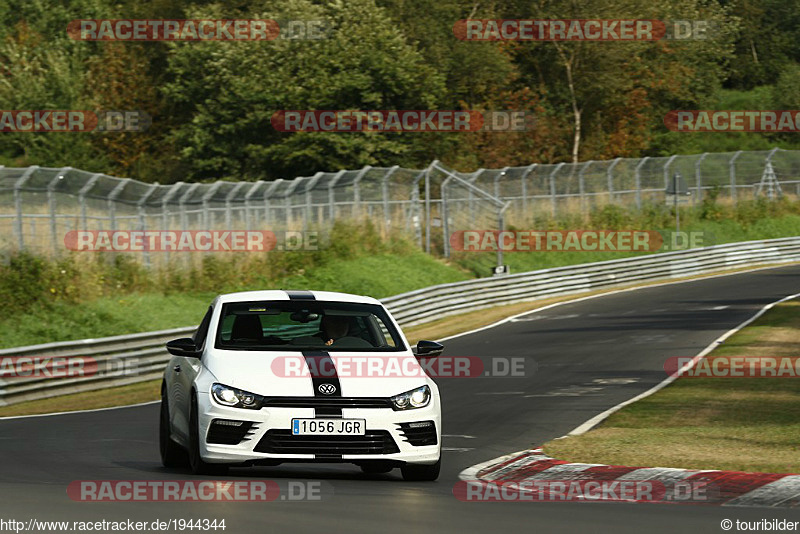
(196, 463)
(172, 454)
(421, 473)
(376, 469)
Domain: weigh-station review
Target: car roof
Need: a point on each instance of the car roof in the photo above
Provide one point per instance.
(288, 294)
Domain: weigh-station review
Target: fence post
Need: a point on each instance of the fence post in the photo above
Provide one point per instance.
(415, 212)
(582, 185)
(471, 198)
(182, 205)
(18, 203)
(82, 198)
(428, 206)
(309, 205)
(332, 195)
(287, 197)
(267, 196)
(610, 176)
(357, 191)
(553, 200)
(525, 187)
(637, 174)
(51, 202)
(387, 220)
(165, 211)
(228, 200)
(142, 217)
(247, 197)
(732, 172)
(445, 223)
(497, 183)
(112, 202)
(206, 207)
(699, 178)
(667, 165)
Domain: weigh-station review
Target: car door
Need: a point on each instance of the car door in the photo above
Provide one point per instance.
(184, 370)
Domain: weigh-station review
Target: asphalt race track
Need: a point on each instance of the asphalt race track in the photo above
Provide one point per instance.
(587, 356)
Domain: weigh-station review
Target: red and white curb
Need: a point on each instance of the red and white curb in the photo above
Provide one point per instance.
(727, 488)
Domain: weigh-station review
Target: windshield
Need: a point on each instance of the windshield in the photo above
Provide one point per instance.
(291, 325)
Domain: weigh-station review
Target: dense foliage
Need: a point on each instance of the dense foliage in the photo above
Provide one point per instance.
(211, 102)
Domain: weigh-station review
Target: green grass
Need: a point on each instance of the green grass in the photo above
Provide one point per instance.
(742, 424)
(379, 276)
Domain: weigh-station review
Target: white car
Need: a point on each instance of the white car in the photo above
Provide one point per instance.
(300, 376)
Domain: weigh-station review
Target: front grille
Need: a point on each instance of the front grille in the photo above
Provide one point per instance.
(229, 432)
(419, 433)
(326, 402)
(283, 442)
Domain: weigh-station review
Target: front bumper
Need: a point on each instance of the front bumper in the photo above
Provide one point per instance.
(384, 421)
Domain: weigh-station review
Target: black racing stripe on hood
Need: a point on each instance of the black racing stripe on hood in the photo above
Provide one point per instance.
(323, 378)
(300, 295)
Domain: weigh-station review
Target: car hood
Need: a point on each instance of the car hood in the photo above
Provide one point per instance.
(286, 373)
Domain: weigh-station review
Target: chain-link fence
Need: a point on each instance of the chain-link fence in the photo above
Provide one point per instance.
(40, 206)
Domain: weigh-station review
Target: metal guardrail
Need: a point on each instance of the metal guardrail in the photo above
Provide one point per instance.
(135, 358)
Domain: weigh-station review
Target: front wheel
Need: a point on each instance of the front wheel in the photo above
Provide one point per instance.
(196, 463)
(172, 454)
(421, 473)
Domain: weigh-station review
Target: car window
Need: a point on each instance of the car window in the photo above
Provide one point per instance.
(291, 325)
(201, 333)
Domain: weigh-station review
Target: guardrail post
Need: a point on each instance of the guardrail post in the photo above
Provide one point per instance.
(638, 177)
(553, 201)
(699, 178)
(582, 185)
(18, 203)
(732, 172)
(610, 177)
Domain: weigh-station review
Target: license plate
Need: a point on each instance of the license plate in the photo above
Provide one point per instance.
(329, 427)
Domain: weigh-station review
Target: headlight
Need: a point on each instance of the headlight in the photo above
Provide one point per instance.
(416, 398)
(235, 398)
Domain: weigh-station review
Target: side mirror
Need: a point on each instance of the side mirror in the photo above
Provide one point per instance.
(183, 347)
(428, 349)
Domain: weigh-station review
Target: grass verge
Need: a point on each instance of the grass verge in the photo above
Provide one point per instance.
(741, 424)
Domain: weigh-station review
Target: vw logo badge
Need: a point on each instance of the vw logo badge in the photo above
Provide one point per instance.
(327, 389)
